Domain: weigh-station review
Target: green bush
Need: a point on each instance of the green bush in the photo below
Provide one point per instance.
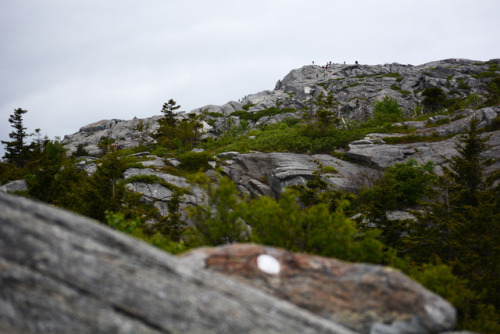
(152, 179)
(282, 223)
(434, 99)
(193, 162)
(219, 221)
(387, 110)
(402, 185)
(248, 106)
(136, 229)
(392, 75)
(328, 169)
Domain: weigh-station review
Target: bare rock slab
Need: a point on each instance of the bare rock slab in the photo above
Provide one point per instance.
(365, 298)
(63, 273)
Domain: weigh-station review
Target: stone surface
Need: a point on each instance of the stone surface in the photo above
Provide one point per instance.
(365, 298)
(484, 116)
(356, 88)
(160, 195)
(271, 173)
(17, 185)
(151, 192)
(381, 156)
(63, 273)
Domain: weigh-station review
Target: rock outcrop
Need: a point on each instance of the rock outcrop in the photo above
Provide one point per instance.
(13, 186)
(373, 152)
(270, 173)
(365, 298)
(355, 87)
(63, 273)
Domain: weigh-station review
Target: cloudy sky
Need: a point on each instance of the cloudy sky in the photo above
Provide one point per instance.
(74, 62)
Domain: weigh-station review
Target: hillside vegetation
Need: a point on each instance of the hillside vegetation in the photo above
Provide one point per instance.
(359, 186)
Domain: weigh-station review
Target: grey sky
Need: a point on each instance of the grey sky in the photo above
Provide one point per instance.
(70, 63)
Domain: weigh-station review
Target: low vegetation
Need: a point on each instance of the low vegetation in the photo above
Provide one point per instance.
(449, 247)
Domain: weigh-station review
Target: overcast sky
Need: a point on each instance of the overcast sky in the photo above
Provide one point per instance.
(75, 62)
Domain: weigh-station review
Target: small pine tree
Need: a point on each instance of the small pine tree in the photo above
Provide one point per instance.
(16, 151)
(168, 113)
(434, 99)
(143, 129)
(465, 170)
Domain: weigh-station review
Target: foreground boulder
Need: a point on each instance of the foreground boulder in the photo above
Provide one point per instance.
(62, 273)
(18, 185)
(366, 298)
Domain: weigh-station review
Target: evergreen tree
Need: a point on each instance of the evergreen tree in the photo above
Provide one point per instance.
(434, 99)
(177, 135)
(168, 113)
(143, 129)
(47, 166)
(16, 151)
(219, 220)
(465, 171)
(461, 228)
(402, 186)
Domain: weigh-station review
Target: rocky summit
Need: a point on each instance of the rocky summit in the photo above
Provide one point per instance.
(355, 89)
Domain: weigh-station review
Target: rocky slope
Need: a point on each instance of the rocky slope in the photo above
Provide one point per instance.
(63, 273)
(355, 88)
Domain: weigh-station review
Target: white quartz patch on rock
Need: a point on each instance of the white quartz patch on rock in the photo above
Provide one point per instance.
(268, 264)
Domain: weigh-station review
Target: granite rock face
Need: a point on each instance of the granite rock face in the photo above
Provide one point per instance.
(159, 195)
(63, 273)
(17, 185)
(381, 156)
(356, 88)
(270, 173)
(365, 298)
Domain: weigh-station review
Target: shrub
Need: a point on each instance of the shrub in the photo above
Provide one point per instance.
(434, 99)
(219, 221)
(193, 162)
(283, 223)
(136, 229)
(248, 106)
(328, 169)
(387, 109)
(80, 151)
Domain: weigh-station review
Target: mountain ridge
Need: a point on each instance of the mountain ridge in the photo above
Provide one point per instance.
(332, 134)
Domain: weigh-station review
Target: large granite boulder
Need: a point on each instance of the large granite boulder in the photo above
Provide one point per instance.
(365, 298)
(380, 156)
(160, 194)
(63, 273)
(270, 173)
(13, 186)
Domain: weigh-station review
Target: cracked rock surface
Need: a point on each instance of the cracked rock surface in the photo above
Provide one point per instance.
(63, 273)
